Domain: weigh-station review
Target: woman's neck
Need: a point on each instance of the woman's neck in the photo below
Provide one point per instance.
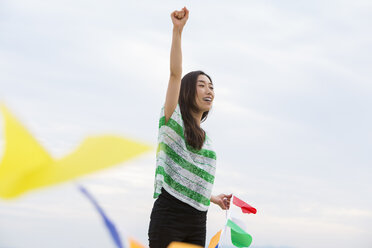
(197, 116)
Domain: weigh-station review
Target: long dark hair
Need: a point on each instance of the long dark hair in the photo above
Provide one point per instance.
(194, 134)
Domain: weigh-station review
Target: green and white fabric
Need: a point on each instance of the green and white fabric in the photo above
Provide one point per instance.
(184, 172)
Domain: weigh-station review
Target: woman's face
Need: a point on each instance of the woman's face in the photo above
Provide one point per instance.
(204, 93)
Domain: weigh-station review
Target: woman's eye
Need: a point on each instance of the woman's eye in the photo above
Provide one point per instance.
(201, 85)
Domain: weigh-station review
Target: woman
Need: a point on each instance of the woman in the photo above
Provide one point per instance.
(185, 159)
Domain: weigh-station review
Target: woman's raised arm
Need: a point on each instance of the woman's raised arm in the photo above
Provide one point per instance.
(179, 19)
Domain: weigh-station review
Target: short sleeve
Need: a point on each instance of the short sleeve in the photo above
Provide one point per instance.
(176, 117)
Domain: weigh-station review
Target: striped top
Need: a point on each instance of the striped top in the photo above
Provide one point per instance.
(184, 172)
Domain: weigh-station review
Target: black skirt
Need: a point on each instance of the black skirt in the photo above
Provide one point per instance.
(174, 220)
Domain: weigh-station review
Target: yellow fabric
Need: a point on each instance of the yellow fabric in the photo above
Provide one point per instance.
(215, 240)
(26, 165)
(134, 244)
(175, 244)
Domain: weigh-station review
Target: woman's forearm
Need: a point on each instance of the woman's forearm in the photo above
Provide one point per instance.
(213, 199)
(176, 53)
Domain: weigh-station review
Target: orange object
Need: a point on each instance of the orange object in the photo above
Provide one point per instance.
(215, 240)
(182, 245)
(134, 244)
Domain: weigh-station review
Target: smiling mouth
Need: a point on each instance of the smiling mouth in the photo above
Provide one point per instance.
(207, 99)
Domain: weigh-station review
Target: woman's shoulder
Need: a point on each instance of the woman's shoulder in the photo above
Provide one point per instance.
(208, 140)
(176, 116)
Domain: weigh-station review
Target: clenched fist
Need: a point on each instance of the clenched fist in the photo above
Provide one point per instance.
(179, 18)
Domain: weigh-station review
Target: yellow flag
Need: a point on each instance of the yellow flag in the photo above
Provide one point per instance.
(215, 240)
(175, 244)
(26, 165)
(134, 244)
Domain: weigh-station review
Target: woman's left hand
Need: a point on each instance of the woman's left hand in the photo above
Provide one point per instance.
(222, 200)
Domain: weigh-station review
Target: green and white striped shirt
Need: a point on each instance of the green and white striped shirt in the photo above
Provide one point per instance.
(184, 172)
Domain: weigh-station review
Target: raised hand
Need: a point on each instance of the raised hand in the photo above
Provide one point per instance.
(179, 18)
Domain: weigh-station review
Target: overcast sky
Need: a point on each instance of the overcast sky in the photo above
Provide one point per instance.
(291, 122)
